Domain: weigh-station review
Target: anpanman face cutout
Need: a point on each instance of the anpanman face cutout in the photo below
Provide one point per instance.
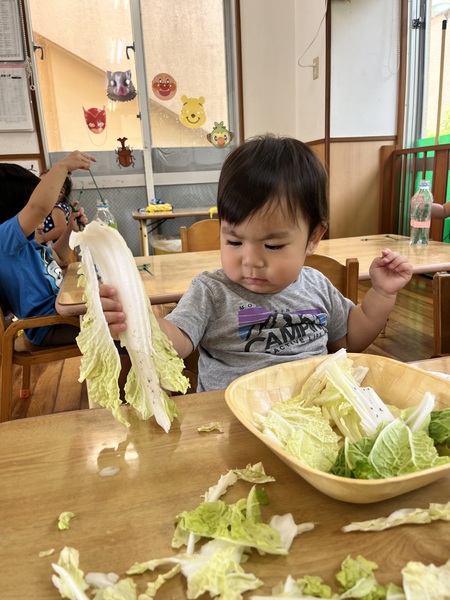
(164, 86)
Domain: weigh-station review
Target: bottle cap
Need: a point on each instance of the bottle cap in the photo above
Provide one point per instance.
(102, 205)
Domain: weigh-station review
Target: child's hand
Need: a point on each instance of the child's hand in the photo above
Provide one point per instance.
(78, 160)
(112, 311)
(390, 272)
(77, 220)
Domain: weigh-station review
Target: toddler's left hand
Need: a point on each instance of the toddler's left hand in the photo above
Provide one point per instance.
(77, 219)
(390, 272)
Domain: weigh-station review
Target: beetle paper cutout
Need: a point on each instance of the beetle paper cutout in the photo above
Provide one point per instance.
(192, 112)
(125, 157)
(120, 87)
(220, 137)
(164, 86)
(95, 119)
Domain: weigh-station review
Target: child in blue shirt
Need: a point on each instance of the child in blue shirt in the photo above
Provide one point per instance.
(30, 275)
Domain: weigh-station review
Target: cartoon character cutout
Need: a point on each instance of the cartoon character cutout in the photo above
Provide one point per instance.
(125, 157)
(164, 86)
(192, 112)
(120, 87)
(95, 119)
(220, 136)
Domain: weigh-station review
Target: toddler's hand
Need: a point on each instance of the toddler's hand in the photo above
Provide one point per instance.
(112, 310)
(390, 272)
(77, 219)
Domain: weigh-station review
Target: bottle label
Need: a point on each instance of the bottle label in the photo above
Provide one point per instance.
(420, 224)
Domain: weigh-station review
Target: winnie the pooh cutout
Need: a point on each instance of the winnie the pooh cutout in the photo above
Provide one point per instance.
(192, 113)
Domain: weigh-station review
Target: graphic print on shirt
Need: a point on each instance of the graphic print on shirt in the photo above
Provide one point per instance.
(273, 332)
(50, 268)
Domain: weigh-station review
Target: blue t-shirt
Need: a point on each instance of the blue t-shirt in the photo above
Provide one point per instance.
(29, 277)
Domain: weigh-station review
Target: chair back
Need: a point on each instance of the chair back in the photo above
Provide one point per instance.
(441, 321)
(343, 277)
(202, 235)
(14, 351)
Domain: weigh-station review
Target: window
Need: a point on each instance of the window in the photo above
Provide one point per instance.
(95, 65)
(428, 85)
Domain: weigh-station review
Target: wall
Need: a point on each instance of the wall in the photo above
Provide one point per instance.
(279, 95)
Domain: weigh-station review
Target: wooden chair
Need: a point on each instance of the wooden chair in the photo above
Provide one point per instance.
(441, 306)
(343, 277)
(17, 350)
(202, 235)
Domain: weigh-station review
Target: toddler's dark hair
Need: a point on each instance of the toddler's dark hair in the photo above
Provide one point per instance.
(16, 186)
(267, 168)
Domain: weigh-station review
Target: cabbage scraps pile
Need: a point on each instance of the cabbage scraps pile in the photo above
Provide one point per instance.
(155, 364)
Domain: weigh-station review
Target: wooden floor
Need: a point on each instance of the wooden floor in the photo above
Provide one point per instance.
(408, 337)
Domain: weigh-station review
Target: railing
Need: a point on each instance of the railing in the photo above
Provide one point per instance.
(400, 174)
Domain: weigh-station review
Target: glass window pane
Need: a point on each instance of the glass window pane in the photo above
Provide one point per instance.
(185, 59)
(82, 41)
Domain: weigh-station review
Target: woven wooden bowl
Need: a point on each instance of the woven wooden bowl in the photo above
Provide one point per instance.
(396, 383)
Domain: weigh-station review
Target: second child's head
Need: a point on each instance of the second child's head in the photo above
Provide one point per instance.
(273, 209)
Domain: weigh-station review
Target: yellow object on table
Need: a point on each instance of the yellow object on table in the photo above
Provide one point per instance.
(212, 211)
(157, 208)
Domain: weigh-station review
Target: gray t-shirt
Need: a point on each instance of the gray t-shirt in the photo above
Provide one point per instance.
(238, 331)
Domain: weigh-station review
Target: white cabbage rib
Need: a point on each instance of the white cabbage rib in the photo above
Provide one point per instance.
(153, 358)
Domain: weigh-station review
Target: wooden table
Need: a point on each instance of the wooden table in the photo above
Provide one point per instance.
(173, 273)
(158, 218)
(170, 278)
(51, 464)
(424, 259)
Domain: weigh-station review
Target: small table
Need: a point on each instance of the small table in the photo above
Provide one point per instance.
(54, 463)
(158, 218)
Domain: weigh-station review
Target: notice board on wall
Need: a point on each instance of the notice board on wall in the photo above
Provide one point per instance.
(15, 101)
(12, 38)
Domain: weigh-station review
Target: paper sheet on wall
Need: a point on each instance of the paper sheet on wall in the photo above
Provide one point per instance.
(11, 40)
(15, 107)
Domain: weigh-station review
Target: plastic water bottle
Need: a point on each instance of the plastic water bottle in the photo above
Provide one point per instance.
(421, 214)
(104, 215)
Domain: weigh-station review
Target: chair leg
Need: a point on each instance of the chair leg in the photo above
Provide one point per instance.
(5, 401)
(25, 387)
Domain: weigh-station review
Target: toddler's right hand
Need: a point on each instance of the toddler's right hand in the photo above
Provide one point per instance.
(112, 310)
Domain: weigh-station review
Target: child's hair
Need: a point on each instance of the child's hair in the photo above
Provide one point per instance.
(16, 186)
(268, 168)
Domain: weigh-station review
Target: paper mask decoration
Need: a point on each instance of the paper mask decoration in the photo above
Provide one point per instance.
(125, 157)
(192, 113)
(95, 119)
(120, 87)
(164, 86)
(220, 137)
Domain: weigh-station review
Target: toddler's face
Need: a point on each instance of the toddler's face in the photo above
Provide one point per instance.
(266, 253)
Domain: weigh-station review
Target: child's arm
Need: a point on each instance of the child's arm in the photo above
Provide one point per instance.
(45, 195)
(116, 321)
(440, 211)
(389, 274)
(60, 224)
